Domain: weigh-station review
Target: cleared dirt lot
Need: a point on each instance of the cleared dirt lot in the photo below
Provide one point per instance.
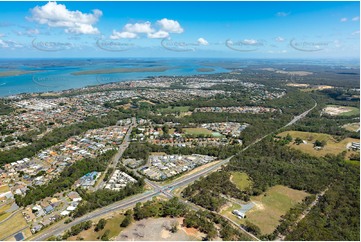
(340, 110)
(154, 229)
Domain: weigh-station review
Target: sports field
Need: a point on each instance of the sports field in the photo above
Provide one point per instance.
(12, 225)
(197, 131)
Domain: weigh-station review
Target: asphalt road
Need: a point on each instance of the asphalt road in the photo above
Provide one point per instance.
(57, 229)
(119, 154)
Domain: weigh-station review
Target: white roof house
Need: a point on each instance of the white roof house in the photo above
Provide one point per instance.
(70, 208)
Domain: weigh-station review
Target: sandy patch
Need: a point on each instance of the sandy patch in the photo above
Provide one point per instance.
(336, 110)
(322, 87)
(258, 205)
(297, 85)
(190, 231)
(164, 234)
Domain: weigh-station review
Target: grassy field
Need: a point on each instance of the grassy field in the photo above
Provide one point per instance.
(241, 180)
(353, 162)
(354, 111)
(4, 208)
(113, 224)
(12, 225)
(158, 153)
(4, 189)
(172, 109)
(197, 131)
(271, 205)
(352, 127)
(331, 147)
(3, 214)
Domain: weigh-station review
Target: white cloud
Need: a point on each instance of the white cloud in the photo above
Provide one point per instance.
(123, 35)
(282, 14)
(357, 32)
(3, 44)
(9, 44)
(57, 15)
(279, 39)
(170, 26)
(343, 19)
(202, 41)
(161, 34)
(250, 41)
(131, 31)
(28, 32)
(357, 18)
(139, 28)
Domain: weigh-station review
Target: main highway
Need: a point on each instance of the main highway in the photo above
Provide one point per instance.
(60, 227)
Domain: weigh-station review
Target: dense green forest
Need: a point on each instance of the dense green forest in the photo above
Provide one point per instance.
(59, 135)
(142, 150)
(337, 214)
(4, 107)
(269, 163)
(65, 179)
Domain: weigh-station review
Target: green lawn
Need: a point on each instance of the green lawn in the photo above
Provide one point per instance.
(197, 131)
(271, 205)
(172, 109)
(12, 225)
(4, 189)
(354, 111)
(241, 180)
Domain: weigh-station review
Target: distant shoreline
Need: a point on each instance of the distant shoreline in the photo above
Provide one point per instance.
(121, 70)
(15, 73)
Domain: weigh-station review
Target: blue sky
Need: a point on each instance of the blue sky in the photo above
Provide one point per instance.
(180, 29)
